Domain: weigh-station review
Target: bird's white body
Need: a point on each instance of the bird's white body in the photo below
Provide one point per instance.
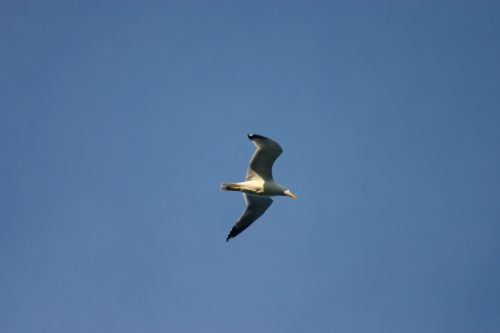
(259, 186)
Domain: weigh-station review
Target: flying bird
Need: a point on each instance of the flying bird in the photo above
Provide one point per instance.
(259, 185)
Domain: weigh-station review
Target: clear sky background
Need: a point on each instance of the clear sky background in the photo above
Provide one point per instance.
(118, 121)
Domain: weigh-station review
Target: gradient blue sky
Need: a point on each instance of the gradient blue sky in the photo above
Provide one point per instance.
(118, 121)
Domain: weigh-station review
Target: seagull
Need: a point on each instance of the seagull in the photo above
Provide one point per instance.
(259, 185)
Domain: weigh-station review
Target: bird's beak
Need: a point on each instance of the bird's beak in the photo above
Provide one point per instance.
(290, 194)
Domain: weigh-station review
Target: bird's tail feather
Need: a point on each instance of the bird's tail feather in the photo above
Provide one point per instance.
(229, 187)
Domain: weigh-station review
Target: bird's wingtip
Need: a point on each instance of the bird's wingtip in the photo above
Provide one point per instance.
(231, 234)
(252, 136)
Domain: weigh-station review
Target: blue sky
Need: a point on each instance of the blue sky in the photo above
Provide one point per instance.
(118, 121)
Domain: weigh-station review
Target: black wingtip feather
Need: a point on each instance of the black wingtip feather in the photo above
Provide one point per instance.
(252, 136)
(230, 235)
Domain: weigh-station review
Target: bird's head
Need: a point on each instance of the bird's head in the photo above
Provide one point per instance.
(289, 193)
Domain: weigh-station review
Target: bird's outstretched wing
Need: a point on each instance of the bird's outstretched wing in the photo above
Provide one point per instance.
(261, 164)
(256, 206)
